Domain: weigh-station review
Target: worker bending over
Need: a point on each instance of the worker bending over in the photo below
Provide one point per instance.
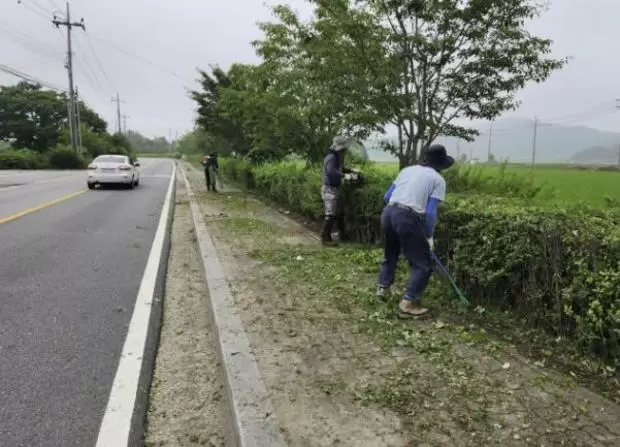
(408, 223)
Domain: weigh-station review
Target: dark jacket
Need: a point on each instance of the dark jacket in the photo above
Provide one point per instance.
(332, 169)
(210, 161)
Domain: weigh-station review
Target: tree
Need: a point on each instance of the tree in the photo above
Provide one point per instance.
(210, 116)
(421, 64)
(33, 118)
(140, 143)
(314, 98)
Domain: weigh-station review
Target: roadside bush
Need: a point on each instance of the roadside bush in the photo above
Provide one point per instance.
(559, 269)
(22, 159)
(65, 158)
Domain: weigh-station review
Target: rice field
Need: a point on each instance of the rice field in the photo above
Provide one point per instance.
(570, 185)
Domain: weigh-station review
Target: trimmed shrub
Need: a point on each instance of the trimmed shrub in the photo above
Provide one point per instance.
(22, 159)
(65, 158)
(557, 268)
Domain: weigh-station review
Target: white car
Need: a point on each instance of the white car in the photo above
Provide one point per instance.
(113, 170)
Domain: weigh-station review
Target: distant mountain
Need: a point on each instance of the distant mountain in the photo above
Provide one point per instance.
(512, 139)
(599, 155)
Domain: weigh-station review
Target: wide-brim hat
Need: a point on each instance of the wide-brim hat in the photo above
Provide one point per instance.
(437, 156)
(339, 144)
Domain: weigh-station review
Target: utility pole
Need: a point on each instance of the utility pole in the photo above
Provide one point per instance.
(119, 123)
(490, 140)
(69, 24)
(125, 123)
(534, 141)
(458, 150)
(79, 121)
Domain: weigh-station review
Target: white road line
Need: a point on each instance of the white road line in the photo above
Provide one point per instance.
(116, 424)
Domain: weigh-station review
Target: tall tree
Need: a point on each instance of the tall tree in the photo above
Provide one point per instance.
(210, 116)
(422, 64)
(33, 118)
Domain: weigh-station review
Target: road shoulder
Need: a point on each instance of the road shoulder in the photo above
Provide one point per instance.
(187, 403)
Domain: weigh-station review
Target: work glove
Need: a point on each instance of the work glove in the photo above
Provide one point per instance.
(349, 177)
(431, 243)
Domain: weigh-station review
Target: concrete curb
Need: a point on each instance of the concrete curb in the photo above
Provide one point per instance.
(138, 422)
(253, 419)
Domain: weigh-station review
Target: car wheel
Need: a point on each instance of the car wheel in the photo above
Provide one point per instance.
(90, 185)
(137, 183)
(130, 184)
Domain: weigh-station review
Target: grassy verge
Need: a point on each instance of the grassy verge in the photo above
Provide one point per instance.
(451, 379)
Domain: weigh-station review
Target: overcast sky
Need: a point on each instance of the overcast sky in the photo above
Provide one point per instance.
(149, 51)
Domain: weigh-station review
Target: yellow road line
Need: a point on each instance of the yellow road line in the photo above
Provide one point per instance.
(40, 207)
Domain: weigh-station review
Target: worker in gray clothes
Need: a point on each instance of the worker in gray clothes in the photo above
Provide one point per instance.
(333, 174)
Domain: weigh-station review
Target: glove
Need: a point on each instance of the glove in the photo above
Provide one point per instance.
(348, 177)
(431, 243)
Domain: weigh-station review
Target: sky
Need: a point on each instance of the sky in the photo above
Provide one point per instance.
(148, 51)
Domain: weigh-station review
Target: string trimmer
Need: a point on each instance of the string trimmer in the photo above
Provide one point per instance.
(446, 274)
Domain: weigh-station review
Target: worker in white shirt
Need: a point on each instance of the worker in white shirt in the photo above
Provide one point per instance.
(408, 223)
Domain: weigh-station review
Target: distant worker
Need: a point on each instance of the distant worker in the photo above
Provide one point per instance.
(211, 168)
(408, 224)
(333, 173)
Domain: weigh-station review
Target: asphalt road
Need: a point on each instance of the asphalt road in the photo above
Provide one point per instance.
(69, 276)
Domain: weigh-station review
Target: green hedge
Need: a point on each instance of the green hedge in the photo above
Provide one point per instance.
(65, 158)
(59, 158)
(558, 268)
(22, 159)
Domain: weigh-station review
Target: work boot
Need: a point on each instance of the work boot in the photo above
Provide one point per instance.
(342, 235)
(326, 232)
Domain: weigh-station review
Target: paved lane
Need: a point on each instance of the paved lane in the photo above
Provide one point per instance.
(69, 276)
(23, 190)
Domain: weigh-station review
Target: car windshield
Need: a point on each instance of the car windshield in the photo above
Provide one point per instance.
(110, 159)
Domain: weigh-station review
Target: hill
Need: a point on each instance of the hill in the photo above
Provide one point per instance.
(512, 140)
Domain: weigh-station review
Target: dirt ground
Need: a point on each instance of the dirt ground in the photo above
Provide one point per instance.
(342, 371)
(186, 405)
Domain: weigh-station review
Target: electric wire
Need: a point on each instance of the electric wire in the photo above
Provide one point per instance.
(29, 78)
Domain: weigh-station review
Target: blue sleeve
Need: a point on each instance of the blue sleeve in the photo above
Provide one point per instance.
(388, 193)
(332, 173)
(431, 216)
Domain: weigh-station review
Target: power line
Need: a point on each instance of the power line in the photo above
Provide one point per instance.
(94, 80)
(31, 9)
(32, 45)
(136, 56)
(31, 79)
(98, 61)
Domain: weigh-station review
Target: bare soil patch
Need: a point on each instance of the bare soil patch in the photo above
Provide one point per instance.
(187, 402)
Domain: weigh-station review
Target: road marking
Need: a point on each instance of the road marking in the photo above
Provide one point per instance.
(115, 427)
(40, 207)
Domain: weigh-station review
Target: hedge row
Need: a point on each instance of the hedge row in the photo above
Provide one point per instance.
(559, 269)
(59, 158)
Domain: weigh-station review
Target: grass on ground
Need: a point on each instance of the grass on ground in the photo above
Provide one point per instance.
(451, 380)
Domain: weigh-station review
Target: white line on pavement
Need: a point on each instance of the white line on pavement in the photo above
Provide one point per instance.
(116, 424)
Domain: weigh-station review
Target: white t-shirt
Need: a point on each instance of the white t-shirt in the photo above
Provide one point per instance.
(416, 185)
